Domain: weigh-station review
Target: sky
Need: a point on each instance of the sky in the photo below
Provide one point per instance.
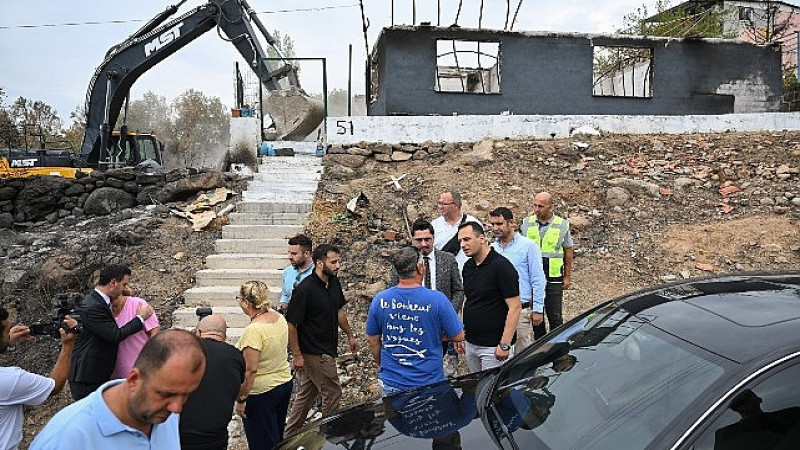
(41, 58)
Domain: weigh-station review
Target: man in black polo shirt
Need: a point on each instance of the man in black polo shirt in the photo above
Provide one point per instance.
(314, 314)
(491, 301)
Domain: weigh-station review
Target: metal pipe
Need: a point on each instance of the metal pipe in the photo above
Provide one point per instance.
(349, 80)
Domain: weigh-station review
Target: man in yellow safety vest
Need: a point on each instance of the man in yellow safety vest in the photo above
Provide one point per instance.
(551, 233)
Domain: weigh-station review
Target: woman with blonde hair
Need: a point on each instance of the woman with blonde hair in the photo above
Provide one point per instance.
(264, 396)
(124, 308)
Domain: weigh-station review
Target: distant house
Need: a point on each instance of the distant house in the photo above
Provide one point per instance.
(756, 21)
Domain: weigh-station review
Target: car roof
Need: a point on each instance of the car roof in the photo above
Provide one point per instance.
(741, 318)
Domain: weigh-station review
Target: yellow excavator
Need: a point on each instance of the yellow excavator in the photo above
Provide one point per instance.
(235, 21)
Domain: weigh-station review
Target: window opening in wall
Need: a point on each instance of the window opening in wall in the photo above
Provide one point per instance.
(467, 66)
(374, 79)
(622, 72)
(746, 13)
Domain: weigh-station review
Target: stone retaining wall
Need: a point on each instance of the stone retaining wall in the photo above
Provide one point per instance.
(50, 198)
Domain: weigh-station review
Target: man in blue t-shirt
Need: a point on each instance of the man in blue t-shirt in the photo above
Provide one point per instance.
(405, 325)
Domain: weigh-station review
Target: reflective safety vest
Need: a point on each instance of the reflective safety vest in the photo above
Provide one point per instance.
(550, 244)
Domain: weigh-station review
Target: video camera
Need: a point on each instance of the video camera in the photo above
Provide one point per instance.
(65, 305)
(203, 311)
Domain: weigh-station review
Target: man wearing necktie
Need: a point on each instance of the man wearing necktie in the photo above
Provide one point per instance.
(441, 274)
(95, 352)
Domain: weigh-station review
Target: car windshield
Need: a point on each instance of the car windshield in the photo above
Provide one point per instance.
(610, 380)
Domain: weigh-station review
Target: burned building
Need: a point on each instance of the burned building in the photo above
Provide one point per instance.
(426, 70)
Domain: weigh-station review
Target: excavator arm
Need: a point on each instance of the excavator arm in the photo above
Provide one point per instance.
(158, 39)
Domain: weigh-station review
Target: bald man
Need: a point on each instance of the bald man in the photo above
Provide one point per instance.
(551, 233)
(204, 422)
(140, 411)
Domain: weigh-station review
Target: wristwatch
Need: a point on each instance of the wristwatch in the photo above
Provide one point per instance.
(505, 347)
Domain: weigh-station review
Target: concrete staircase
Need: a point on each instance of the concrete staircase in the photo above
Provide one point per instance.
(274, 208)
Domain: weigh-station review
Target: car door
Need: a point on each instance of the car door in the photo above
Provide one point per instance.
(763, 413)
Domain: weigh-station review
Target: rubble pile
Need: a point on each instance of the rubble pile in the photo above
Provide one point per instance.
(643, 209)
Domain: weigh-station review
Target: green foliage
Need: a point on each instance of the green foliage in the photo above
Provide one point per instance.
(199, 127)
(695, 20)
(30, 124)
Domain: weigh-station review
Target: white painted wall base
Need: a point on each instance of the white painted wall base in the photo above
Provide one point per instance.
(395, 129)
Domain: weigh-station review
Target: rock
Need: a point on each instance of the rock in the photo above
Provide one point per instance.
(786, 170)
(185, 188)
(796, 201)
(6, 220)
(617, 196)
(781, 209)
(115, 183)
(60, 272)
(383, 157)
(683, 183)
(351, 161)
(7, 193)
(358, 151)
(150, 178)
(382, 149)
(637, 186)
(579, 222)
(420, 154)
(131, 186)
(75, 190)
(106, 200)
(40, 197)
(147, 195)
(122, 174)
(374, 288)
(336, 149)
(401, 156)
(481, 153)
(668, 278)
(685, 274)
(340, 172)
(449, 147)
(766, 202)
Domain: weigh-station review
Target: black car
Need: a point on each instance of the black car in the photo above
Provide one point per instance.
(710, 364)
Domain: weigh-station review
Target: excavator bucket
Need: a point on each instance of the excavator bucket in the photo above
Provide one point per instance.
(296, 115)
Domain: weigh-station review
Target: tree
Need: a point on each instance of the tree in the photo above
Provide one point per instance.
(39, 123)
(9, 135)
(767, 23)
(199, 128)
(74, 134)
(693, 20)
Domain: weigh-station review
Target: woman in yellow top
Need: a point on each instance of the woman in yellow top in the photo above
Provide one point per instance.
(264, 395)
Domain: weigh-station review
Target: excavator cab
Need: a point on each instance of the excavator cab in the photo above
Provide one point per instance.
(136, 148)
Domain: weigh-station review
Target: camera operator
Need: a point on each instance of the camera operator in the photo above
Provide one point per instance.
(18, 387)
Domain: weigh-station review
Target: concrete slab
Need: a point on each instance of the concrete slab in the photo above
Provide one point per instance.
(260, 231)
(221, 296)
(297, 198)
(268, 219)
(272, 245)
(186, 317)
(280, 206)
(247, 260)
(236, 277)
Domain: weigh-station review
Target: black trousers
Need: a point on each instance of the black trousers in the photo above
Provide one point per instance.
(553, 301)
(81, 390)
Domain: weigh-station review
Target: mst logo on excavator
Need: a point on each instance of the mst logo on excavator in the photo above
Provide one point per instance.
(162, 40)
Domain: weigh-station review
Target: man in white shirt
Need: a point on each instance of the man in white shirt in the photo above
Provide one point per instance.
(19, 388)
(445, 227)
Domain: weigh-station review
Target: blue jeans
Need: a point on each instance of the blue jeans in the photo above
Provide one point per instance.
(266, 416)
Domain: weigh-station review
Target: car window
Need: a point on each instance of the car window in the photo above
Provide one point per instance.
(613, 382)
(764, 416)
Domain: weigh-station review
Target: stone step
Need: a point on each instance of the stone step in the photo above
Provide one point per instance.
(268, 219)
(286, 175)
(221, 296)
(282, 186)
(234, 334)
(246, 261)
(187, 317)
(260, 231)
(236, 246)
(297, 198)
(262, 207)
(236, 277)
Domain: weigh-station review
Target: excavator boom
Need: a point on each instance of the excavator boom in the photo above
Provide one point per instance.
(159, 38)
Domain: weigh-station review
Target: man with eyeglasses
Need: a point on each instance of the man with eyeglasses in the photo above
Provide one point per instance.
(445, 226)
(441, 274)
(301, 266)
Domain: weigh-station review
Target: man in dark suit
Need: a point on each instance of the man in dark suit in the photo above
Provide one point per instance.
(441, 274)
(95, 350)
